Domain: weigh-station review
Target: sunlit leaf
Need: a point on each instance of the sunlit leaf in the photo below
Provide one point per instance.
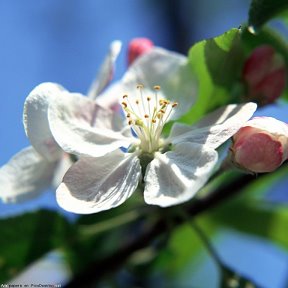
(217, 64)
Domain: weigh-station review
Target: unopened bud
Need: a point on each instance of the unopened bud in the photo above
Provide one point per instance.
(264, 73)
(138, 47)
(261, 145)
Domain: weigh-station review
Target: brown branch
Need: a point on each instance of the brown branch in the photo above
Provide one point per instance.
(99, 268)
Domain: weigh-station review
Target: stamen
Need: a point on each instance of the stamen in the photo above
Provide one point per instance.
(147, 116)
(140, 86)
(159, 115)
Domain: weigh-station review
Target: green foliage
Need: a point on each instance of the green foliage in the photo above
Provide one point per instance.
(26, 238)
(217, 64)
(261, 11)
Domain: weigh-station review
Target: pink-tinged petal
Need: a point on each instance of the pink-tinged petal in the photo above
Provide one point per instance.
(215, 128)
(92, 185)
(138, 47)
(259, 153)
(35, 119)
(106, 72)
(258, 63)
(264, 74)
(176, 176)
(82, 127)
(169, 70)
(25, 176)
(268, 124)
(261, 145)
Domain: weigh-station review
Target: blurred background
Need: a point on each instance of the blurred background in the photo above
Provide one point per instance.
(65, 42)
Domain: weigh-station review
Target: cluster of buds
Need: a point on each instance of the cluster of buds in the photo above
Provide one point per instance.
(260, 146)
(264, 74)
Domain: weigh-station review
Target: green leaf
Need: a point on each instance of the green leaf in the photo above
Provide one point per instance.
(262, 11)
(217, 63)
(27, 237)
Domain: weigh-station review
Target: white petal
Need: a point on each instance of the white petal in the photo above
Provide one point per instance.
(112, 96)
(105, 74)
(63, 165)
(215, 128)
(95, 184)
(35, 119)
(25, 176)
(82, 127)
(169, 70)
(175, 177)
(269, 124)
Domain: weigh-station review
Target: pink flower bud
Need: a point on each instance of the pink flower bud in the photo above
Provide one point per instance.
(261, 145)
(264, 73)
(138, 47)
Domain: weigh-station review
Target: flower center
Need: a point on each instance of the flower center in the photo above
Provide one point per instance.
(147, 116)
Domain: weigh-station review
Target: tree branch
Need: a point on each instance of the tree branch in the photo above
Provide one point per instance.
(100, 268)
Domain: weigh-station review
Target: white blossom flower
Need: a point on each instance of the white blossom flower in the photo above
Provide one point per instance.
(43, 164)
(114, 160)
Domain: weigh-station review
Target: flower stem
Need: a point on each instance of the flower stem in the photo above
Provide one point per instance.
(202, 236)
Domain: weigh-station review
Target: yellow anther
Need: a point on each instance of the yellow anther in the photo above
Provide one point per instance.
(125, 96)
(157, 87)
(128, 115)
(153, 120)
(174, 104)
(146, 116)
(124, 104)
(140, 86)
(130, 122)
(162, 111)
(164, 102)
